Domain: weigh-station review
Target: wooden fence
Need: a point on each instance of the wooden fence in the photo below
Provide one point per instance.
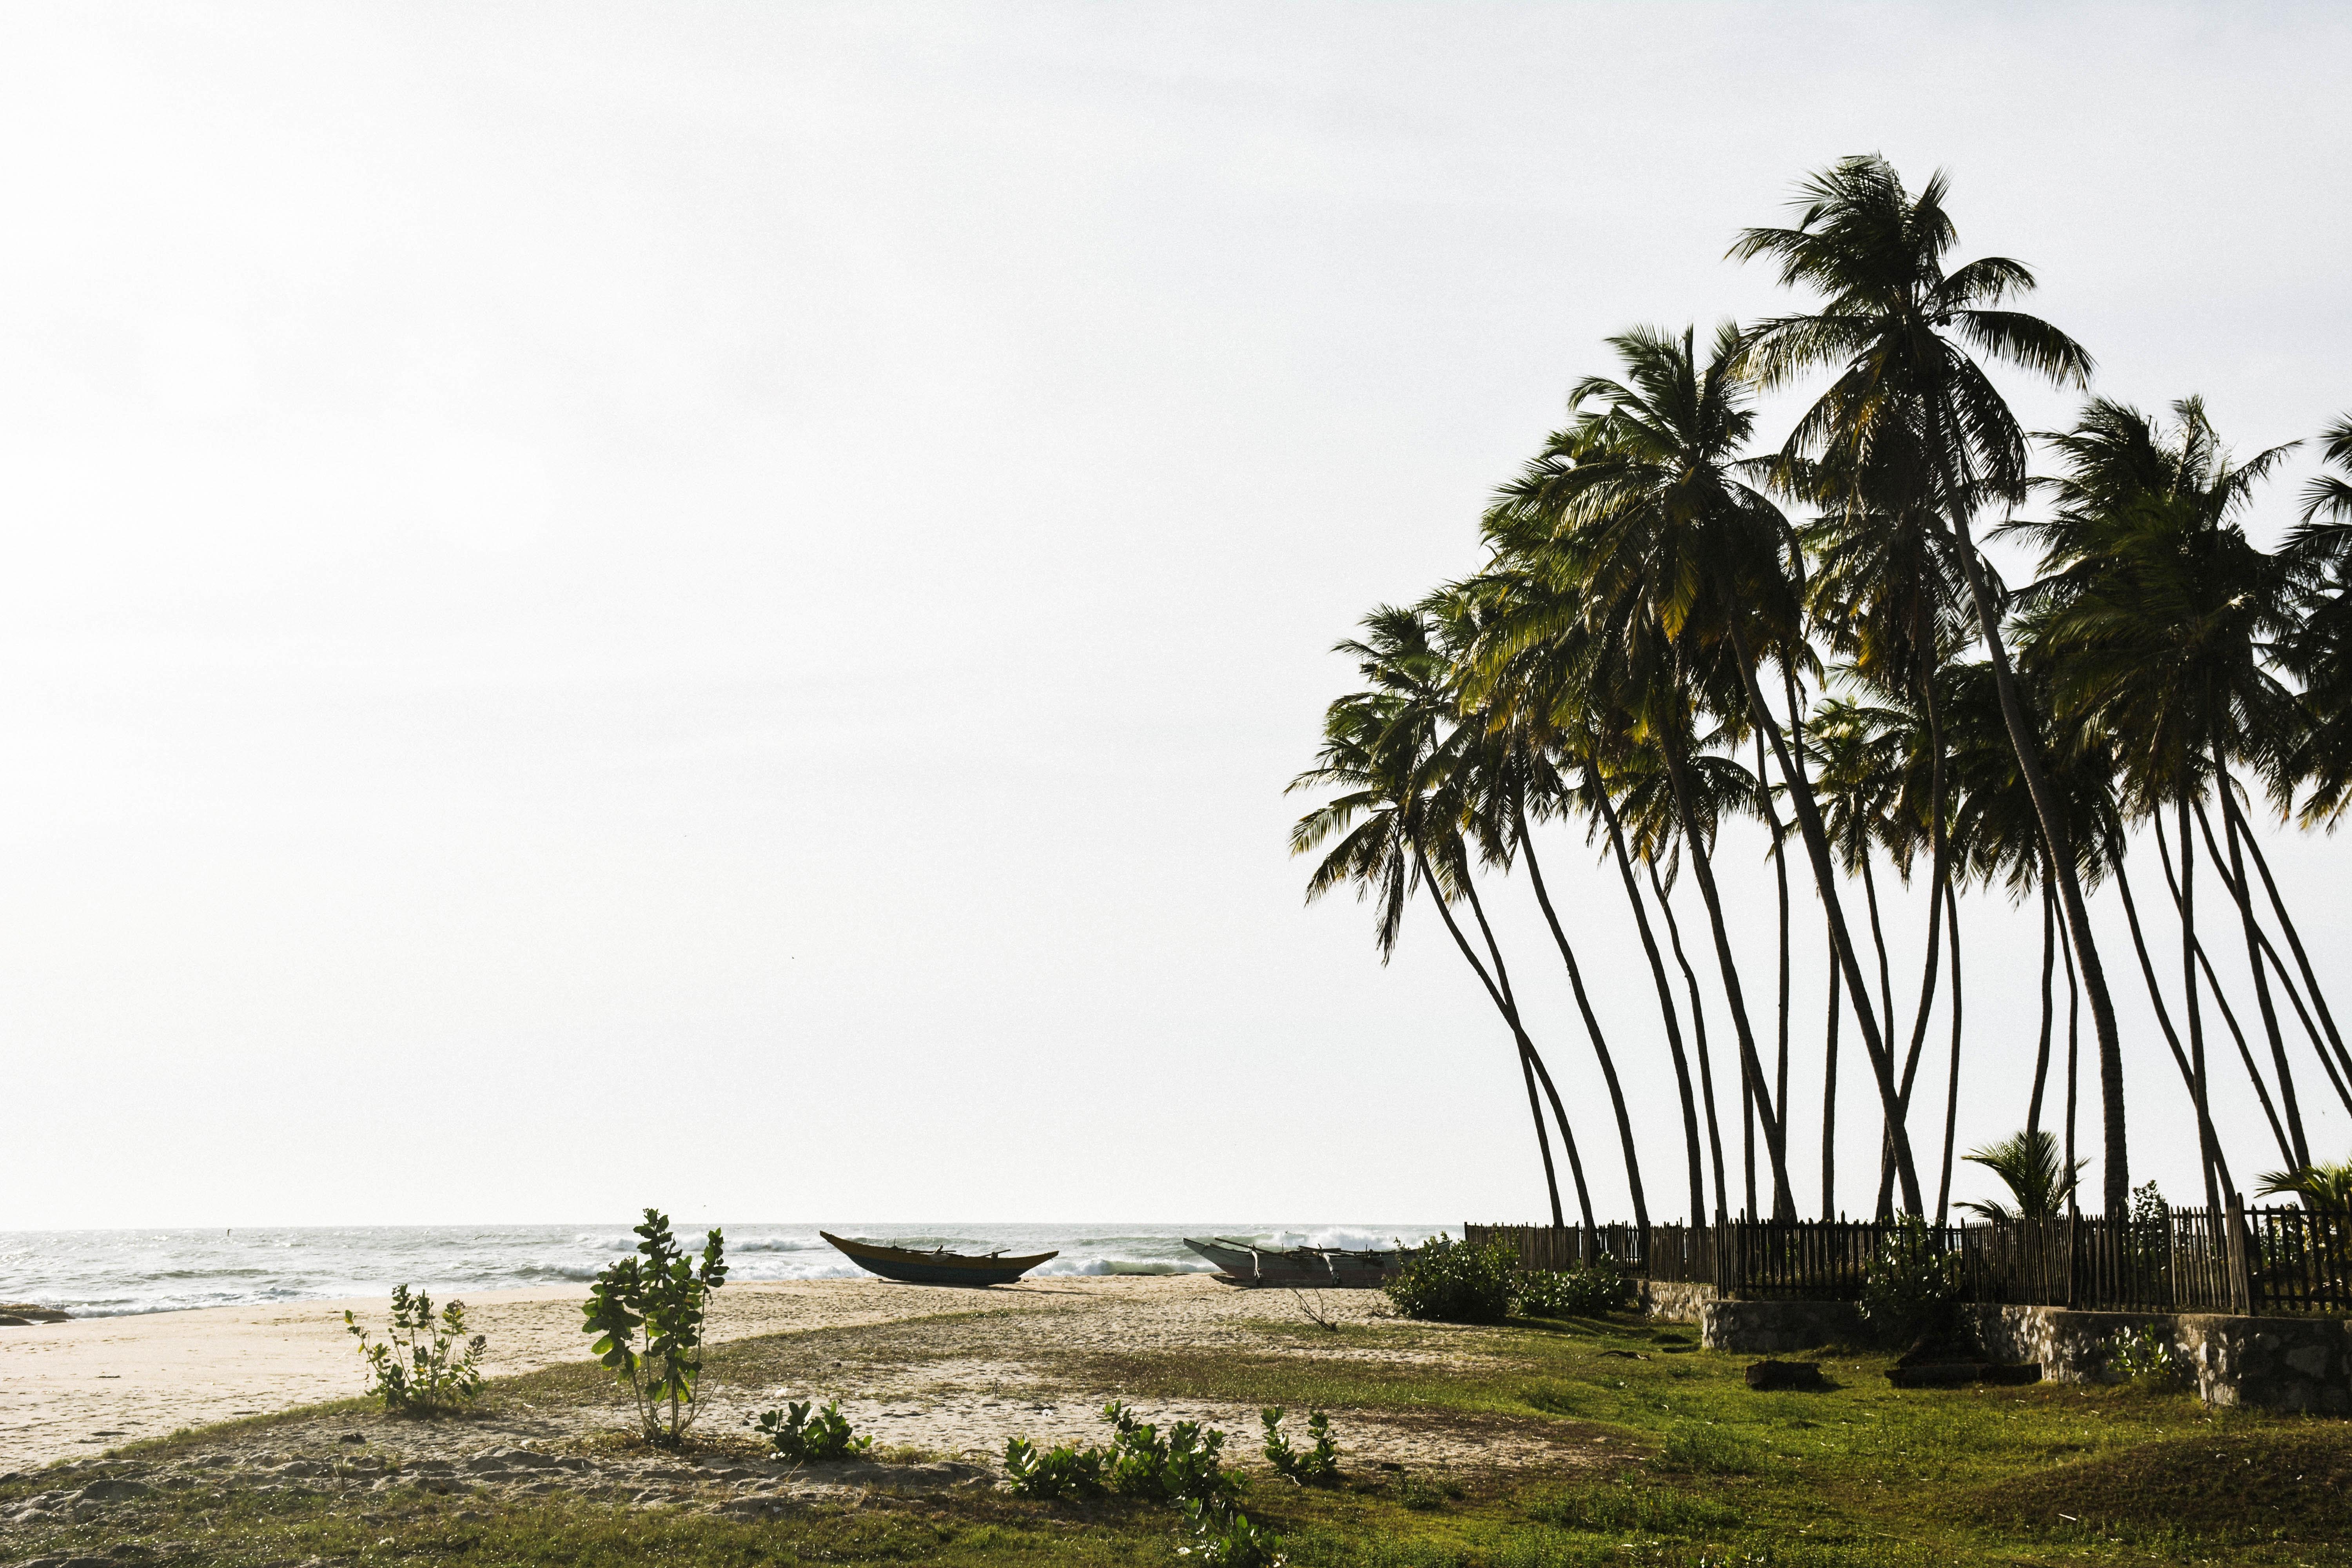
(2246, 1260)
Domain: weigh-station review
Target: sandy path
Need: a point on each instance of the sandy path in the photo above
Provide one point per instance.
(75, 1387)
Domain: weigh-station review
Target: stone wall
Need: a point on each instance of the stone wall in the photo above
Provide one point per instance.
(2267, 1363)
(1773, 1328)
(1673, 1300)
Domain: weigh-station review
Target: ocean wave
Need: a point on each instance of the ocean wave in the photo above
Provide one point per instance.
(123, 1272)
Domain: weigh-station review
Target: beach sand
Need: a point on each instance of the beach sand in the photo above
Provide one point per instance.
(953, 1372)
(76, 1388)
(949, 1374)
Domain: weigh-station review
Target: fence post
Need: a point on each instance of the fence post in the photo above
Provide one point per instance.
(2074, 1230)
(2242, 1275)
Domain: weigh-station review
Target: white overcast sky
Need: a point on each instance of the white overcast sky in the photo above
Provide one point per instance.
(710, 605)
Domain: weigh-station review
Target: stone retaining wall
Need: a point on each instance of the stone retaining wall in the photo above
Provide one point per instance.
(1673, 1300)
(2268, 1363)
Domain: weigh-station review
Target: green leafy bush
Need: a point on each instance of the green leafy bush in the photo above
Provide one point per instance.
(1062, 1472)
(1451, 1281)
(2149, 1361)
(418, 1368)
(1600, 1287)
(810, 1439)
(1912, 1288)
(1182, 1465)
(1224, 1538)
(1318, 1466)
(663, 1291)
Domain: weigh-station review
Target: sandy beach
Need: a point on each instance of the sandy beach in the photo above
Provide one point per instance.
(77, 1387)
(968, 1377)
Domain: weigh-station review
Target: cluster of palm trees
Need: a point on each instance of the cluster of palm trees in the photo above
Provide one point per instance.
(1674, 627)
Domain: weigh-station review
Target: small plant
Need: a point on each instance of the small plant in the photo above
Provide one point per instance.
(418, 1368)
(1224, 1538)
(1425, 1494)
(1601, 1286)
(1063, 1472)
(1184, 1464)
(1703, 1448)
(810, 1439)
(2149, 1361)
(1912, 1288)
(1318, 1466)
(1451, 1281)
(663, 1291)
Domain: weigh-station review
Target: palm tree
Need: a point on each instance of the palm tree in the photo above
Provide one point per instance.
(2155, 613)
(2027, 1163)
(1689, 574)
(1911, 407)
(1379, 750)
(2327, 1187)
(1538, 694)
(1505, 771)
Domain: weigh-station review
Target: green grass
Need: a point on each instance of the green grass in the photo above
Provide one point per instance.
(1672, 1460)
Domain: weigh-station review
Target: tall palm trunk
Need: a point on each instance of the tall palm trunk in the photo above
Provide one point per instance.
(1781, 878)
(1698, 1034)
(1939, 872)
(2235, 878)
(1665, 993)
(1592, 1029)
(1809, 819)
(2216, 1169)
(2074, 1059)
(1952, 1089)
(2286, 982)
(1535, 1058)
(2235, 883)
(1878, 940)
(1775, 1145)
(2183, 906)
(2049, 968)
(1510, 1016)
(2116, 1169)
(1829, 1101)
(2301, 959)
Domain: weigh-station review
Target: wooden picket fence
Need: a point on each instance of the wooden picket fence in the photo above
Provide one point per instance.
(2244, 1260)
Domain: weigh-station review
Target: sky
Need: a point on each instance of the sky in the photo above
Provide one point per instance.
(711, 605)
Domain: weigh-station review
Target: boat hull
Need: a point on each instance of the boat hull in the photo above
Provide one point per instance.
(1300, 1269)
(934, 1267)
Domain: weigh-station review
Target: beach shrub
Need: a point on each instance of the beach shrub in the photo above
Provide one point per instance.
(1451, 1281)
(419, 1368)
(1318, 1466)
(1062, 1472)
(1224, 1538)
(2147, 1358)
(1911, 1291)
(666, 1292)
(810, 1439)
(1601, 1286)
(1182, 1465)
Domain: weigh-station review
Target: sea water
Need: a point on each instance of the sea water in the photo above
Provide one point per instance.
(104, 1273)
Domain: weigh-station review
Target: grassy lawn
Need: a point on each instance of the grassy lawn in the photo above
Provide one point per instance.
(1683, 1465)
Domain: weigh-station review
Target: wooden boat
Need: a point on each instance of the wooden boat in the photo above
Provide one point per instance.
(937, 1266)
(1299, 1267)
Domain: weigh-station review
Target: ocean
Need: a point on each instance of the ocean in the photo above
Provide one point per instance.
(107, 1273)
